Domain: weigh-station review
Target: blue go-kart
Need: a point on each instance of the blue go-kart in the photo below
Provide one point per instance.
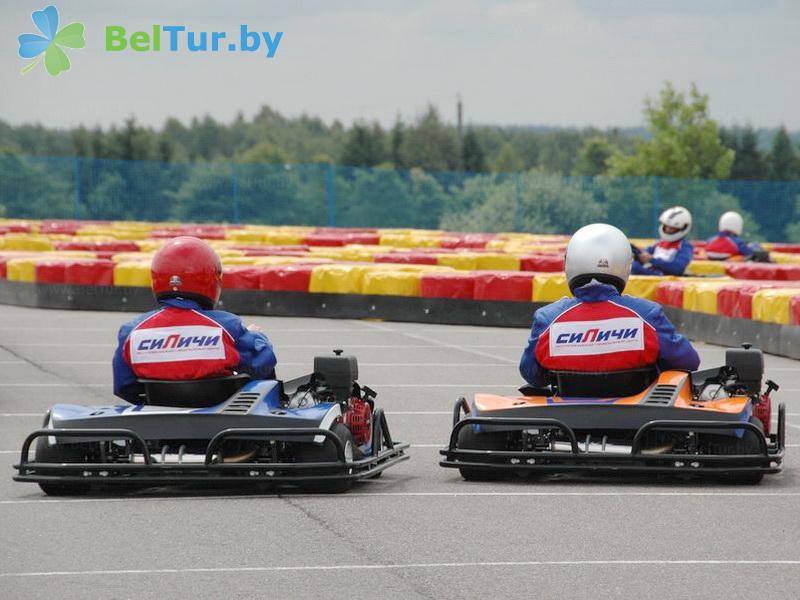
(320, 432)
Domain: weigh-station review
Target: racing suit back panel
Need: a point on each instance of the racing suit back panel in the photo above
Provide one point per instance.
(725, 245)
(180, 344)
(597, 337)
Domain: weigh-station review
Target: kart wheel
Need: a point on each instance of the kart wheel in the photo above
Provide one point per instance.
(748, 444)
(469, 439)
(57, 453)
(327, 453)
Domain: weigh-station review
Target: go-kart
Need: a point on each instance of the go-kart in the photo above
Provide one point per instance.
(320, 432)
(714, 422)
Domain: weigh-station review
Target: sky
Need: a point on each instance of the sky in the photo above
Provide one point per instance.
(514, 62)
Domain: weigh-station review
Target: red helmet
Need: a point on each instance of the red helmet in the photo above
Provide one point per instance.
(187, 267)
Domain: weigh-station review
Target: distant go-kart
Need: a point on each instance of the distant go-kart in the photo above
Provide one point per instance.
(321, 432)
(712, 423)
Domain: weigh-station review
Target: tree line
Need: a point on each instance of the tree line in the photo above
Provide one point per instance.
(422, 172)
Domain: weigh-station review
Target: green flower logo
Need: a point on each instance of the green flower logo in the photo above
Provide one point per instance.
(32, 45)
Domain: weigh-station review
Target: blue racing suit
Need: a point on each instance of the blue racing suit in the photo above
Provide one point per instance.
(725, 245)
(601, 331)
(181, 341)
(669, 258)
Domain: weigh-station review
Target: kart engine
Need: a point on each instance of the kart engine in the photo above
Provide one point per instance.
(359, 419)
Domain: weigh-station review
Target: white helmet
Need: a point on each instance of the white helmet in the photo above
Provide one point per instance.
(598, 251)
(678, 218)
(731, 221)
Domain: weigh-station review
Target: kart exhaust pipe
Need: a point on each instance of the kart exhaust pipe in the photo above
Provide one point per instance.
(603, 447)
(592, 448)
(183, 458)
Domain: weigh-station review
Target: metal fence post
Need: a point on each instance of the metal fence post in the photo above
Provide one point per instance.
(235, 192)
(331, 194)
(76, 202)
(656, 203)
(517, 199)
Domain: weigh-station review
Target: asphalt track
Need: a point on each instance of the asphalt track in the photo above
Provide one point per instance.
(418, 532)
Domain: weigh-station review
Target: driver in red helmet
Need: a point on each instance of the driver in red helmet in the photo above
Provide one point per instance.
(185, 338)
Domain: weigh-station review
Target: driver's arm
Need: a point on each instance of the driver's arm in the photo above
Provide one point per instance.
(674, 350)
(125, 383)
(529, 368)
(256, 356)
(747, 248)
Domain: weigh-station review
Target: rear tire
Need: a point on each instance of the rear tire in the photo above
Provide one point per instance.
(58, 453)
(749, 443)
(469, 439)
(326, 452)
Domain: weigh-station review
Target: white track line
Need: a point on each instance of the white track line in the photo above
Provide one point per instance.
(420, 412)
(361, 495)
(12, 415)
(405, 566)
(54, 385)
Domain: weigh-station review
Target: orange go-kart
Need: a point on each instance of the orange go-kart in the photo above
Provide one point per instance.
(714, 422)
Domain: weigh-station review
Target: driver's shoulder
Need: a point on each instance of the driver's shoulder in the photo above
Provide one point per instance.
(641, 306)
(550, 311)
(129, 326)
(226, 319)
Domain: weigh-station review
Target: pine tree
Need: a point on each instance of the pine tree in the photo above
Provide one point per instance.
(398, 133)
(748, 163)
(472, 155)
(364, 146)
(782, 159)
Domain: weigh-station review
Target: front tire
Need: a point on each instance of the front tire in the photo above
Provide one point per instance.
(59, 453)
(469, 439)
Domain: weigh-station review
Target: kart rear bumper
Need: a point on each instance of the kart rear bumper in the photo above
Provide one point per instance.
(768, 460)
(386, 453)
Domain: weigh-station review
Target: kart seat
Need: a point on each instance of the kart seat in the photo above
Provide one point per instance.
(603, 384)
(194, 393)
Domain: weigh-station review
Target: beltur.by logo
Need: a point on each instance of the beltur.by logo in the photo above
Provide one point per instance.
(178, 37)
(32, 45)
(172, 38)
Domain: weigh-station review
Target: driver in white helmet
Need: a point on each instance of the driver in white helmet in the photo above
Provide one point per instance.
(600, 330)
(727, 244)
(672, 254)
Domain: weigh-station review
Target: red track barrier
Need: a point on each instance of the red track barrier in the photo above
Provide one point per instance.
(286, 278)
(670, 293)
(89, 272)
(241, 277)
(504, 285)
(543, 263)
(447, 285)
(50, 271)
